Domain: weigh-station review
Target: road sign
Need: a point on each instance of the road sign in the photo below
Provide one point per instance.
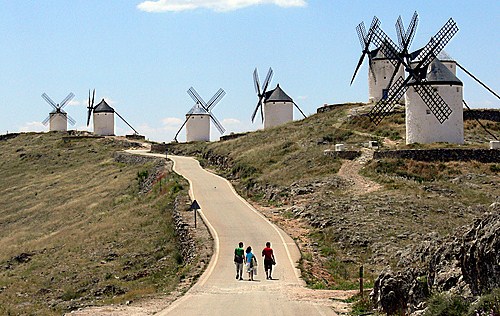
(195, 205)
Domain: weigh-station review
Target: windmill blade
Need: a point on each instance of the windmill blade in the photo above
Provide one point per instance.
(49, 100)
(434, 102)
(90, 107)
(361, 30)
(365, 40)
(295, 104)
(259, 104)
(217, 123)
(267, 80)
(400, 32)
(384, 106)
(44, 122)
(256, 82)
(479, 81)
(388, 47)
(262, 113)
(215, 99)
(437, 43)
(126, 122)
(196, 97)
(412, 28)
(360, 62)
(371, 69)
(66, 100)
(70, 120)
(183, 124)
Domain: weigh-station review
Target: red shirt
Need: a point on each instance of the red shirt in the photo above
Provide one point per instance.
(267, 253)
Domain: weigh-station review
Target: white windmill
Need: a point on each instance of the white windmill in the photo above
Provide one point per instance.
(276, 107)
(383, 63)
(58, 118)
(104, 117)
(199, 116)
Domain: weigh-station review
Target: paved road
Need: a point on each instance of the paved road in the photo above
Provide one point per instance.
(231, 219)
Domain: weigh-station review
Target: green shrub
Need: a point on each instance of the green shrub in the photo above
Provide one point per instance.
(446, 305)
(487, 305)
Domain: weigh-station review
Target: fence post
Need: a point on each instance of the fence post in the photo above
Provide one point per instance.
(361, 281)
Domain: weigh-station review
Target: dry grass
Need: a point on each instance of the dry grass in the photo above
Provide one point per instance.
(417, 199)
(75, 231)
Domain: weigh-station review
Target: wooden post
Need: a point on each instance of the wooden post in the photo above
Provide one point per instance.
(361, 281)
(194, 217)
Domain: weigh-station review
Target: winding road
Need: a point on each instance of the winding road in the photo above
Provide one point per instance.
(231, 219)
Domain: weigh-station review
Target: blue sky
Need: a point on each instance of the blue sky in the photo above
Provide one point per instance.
(143, 56)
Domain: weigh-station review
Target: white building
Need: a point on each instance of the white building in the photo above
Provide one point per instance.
(380, 74)
(104, 119)
(278, 108)
(58, 121)
(197, 124)
(421, 124)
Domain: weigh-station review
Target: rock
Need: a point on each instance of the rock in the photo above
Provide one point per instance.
(465, 264)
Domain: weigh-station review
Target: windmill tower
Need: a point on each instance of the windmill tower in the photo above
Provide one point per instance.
(276, 107)
(104, 117)
(381, 70)
(58, 118)
(199, 116)
(384, 65)
(425, 77)
(420, 128)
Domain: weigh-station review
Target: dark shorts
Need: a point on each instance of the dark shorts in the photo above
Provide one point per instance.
(268, 264)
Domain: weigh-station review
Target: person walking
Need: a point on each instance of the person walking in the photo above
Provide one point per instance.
(251, 263)
(269, 260)
(239, 254)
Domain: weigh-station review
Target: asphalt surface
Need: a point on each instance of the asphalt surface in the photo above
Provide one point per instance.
(231, 220)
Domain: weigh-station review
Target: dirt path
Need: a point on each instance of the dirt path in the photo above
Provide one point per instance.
(350, 171)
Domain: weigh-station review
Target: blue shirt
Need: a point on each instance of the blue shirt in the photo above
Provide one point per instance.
(249, 257)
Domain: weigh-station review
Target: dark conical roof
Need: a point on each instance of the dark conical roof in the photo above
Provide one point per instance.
(197, 109)
(438, 73)
(277, 95)
(103, 107)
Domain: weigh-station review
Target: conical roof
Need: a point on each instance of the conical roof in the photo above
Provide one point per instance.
(377, 53)
(438, 73)
(197, 109)
(277, 95)
(103, 107)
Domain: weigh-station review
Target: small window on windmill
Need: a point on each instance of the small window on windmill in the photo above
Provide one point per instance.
(427, 111)
(385, 94)
(435, 89)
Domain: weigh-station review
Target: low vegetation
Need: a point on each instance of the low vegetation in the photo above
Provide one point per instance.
(75, 229)
(284, 169)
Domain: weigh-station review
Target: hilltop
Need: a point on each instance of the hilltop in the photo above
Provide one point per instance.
(348, 213)
(82, 225)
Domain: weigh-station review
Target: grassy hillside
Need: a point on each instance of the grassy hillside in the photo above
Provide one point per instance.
(284, 172)
(74, 229)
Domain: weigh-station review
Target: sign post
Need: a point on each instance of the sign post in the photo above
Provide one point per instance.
(195, 206)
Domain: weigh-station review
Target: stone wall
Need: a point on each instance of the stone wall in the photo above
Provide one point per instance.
(345, 154)
(442, 154)
(8, 136)
(482, 114)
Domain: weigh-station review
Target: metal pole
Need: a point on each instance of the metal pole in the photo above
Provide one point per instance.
(361, 281)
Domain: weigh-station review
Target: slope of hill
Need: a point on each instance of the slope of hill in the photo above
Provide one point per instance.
(75, 230)
(346, 219)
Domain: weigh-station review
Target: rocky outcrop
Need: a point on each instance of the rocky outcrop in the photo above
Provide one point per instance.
(465, 264)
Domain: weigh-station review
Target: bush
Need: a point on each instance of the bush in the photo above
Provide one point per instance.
(488, 305)
(446, 305)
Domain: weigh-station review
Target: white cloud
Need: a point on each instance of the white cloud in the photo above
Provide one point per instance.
(215, 5)
(33, 127)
